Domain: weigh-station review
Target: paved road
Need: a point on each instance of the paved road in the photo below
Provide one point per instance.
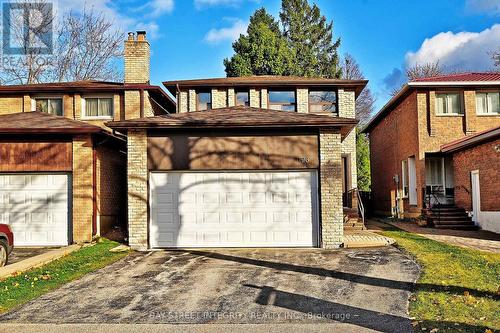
(356, 288)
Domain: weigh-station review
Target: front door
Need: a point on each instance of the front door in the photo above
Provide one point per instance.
(412, 180)
(476, 197)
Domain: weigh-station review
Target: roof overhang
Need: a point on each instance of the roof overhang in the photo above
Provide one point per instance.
(265, 81)
(471, 140)
(237, 118)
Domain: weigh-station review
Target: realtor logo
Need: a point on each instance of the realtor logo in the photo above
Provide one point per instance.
(27, 28)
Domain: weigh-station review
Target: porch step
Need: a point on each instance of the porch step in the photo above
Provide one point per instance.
(449, 217)
(456, 226)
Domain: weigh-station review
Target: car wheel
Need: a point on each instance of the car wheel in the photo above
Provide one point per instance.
(3, 253)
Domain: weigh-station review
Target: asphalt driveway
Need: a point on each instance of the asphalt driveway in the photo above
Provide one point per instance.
(368, 288)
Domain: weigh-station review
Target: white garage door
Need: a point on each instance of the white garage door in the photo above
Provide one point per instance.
(234, 209)
(36, 207)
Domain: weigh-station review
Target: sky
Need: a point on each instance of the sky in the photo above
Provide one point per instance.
(190, 38)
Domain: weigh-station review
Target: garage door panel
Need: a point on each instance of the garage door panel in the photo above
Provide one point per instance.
(36, 208)
(233, 209)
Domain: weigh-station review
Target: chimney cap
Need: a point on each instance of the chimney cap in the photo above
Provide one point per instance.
(141, 35)
(131, 35)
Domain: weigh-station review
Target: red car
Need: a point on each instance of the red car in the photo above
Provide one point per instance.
(6, 243)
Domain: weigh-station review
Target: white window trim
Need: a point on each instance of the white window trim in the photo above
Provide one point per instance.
(85, 117)
(404, 173)
(34, 98)
(483, 113)
(454, 114)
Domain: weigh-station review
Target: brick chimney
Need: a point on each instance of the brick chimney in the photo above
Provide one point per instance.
(137, 54)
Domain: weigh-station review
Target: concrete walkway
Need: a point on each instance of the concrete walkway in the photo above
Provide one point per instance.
(365, 238)
(475, 239)
(36, 261)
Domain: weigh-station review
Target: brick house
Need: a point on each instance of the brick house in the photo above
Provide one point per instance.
(257, 161)
(408, 169)
(476, 162)
(62, 171)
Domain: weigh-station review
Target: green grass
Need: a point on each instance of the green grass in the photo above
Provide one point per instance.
(458, 290)
(22, 288)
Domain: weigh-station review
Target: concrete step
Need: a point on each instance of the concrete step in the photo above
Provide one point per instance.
(456, 226)
(450, 218)
(451, 222)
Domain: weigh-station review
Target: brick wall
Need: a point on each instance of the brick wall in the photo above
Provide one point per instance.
(111, 183)
(254, 98)
(332, 225)
(302, 100)
(137, 177)
(391, 141)
(347, 104)
(82, 188)
(191, 100)
(137, 57)
(11, 104)
(219, 98)
(485, 158)
(132, 104)
(230, 97)
(263, 98)
(182, 101)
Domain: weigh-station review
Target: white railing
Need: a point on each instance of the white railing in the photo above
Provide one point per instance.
(361, 208)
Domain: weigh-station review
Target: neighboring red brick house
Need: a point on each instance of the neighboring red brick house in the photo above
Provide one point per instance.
(476, 164)
(408, 168)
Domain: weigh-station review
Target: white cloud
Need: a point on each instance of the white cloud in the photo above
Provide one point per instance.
(200, 4)
(215, 36)
(458, 51)
(125, 19)
(491, 7)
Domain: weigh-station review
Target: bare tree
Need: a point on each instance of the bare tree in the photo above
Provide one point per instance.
(429, 69)
(365, 101)
(495, 56)
(87, 47)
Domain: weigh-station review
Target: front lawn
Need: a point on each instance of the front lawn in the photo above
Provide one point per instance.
(20, 289)
(458, 290)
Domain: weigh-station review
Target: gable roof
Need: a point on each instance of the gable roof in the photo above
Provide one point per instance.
(471, 140)
(237, 117)
(156, 92)
(266, 81)
(462, 77)
(42, 123)
(486, 79)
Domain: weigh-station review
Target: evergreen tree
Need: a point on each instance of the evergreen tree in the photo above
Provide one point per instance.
(263, 51)
(310, 36)
(303, 47)
(363, 161)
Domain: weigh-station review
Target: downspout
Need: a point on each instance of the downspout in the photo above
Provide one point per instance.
(94, 191)
(141, 99)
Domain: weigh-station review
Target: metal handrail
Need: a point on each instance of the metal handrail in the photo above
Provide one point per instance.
(438, 203)
(361, 207)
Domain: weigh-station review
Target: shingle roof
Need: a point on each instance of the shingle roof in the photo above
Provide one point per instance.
(91, 86)
(41, 123)
(237, 117)
(461, 77)
(471, 140)
(267, 81)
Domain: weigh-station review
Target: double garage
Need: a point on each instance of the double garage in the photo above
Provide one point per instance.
(234, 178)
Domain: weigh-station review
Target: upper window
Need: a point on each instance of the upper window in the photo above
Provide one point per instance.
(323, 101)
(283, 100)
(241, 98)
(448, 104)
(49, 105)
(98, 107)
(488, 103)
(203, 100)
